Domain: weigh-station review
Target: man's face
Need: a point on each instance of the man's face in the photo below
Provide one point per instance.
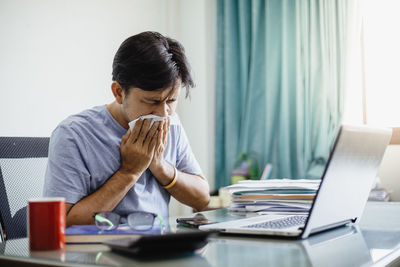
(161, 103)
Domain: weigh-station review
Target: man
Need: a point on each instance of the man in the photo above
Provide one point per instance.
(98, 164)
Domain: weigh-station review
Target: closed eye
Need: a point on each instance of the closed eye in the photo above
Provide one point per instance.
(157, 102)
(152, 102)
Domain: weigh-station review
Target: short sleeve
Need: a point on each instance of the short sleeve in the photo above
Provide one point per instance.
(185, 160)
(66, 174)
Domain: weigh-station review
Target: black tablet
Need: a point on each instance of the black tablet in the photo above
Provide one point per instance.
(160, 245)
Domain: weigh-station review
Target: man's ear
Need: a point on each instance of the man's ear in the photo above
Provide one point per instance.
(118, 92)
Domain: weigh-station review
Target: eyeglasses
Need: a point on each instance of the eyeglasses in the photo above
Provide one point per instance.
(138, 220)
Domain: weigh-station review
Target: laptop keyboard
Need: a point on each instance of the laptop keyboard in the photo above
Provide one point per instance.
(280, 223)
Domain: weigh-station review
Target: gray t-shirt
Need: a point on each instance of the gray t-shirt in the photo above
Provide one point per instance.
(85, 151)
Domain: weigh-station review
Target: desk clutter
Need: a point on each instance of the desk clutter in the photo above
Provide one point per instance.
(379, 194)
(273, 196)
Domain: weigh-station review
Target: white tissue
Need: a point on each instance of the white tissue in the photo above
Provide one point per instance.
(173, 120)
(153, 117)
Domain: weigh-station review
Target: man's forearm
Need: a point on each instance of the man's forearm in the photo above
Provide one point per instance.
(106, 198)
(190, 189)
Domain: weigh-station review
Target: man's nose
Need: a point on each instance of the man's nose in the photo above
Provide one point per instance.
(162, 110)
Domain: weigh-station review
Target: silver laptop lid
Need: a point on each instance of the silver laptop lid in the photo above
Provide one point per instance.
(348, 177)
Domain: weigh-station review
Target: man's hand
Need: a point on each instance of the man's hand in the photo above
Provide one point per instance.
(158, 156)
(161, 170)
(138, 147)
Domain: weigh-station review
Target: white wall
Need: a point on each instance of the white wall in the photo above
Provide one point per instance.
(56, 56)
(389, 172)
(194, 24)
(198, 112)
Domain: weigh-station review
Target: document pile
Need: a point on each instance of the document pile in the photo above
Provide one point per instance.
(273, 196)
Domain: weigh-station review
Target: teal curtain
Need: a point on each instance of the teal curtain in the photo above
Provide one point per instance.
(281, 69)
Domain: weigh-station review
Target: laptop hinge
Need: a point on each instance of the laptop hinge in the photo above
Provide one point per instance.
(330, 226)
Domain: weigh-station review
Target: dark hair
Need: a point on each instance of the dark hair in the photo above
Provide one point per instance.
(150, 61)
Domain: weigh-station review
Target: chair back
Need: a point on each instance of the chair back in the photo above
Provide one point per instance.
(23, 162)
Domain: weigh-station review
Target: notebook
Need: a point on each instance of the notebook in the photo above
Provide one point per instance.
(345, 185)
(90, 234)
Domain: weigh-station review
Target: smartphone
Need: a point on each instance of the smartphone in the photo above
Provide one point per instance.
(196, 221)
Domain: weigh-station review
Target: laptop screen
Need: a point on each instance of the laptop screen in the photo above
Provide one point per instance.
(348, 177)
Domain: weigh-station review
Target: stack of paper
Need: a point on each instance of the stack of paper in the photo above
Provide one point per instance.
(283, 196)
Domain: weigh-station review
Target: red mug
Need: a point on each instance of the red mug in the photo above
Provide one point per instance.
(46, 223)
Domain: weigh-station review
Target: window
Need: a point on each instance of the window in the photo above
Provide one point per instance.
(373, 91)
(381, 24)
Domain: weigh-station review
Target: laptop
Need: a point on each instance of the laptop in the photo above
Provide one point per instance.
(345, 185)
